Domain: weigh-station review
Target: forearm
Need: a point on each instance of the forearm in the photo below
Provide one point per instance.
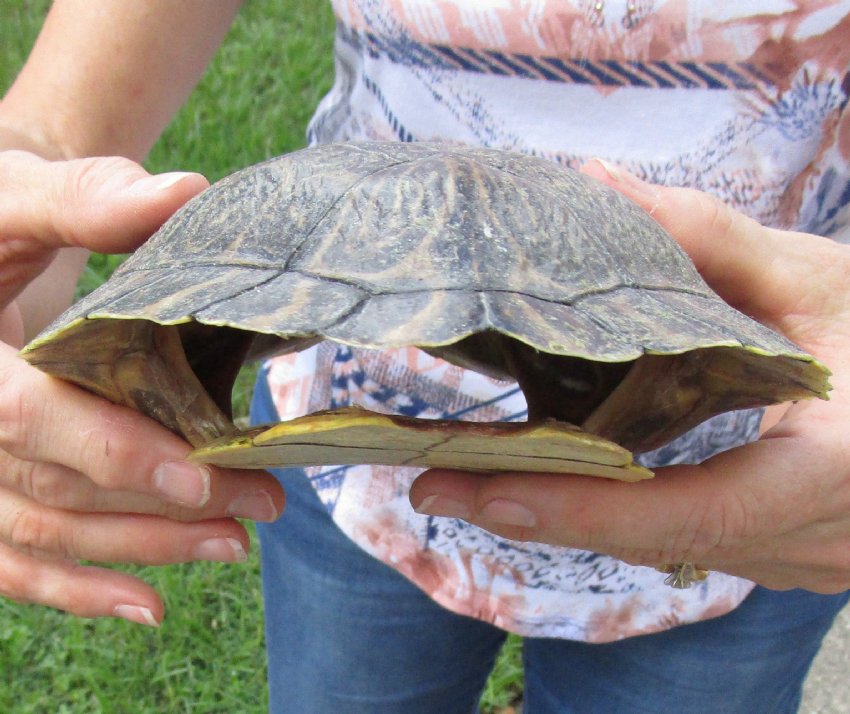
(106, 77)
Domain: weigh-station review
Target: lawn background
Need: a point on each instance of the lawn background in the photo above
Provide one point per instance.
(208, 656)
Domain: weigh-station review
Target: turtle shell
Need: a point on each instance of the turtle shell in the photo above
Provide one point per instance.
(500, 262)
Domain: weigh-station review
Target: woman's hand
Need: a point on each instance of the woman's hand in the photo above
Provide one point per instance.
(81, 478)
(776, 511)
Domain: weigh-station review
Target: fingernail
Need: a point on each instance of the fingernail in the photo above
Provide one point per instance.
(643, 192)
(610, 169)
(183, 483)
(508, 513)
(158, 182)
(438, 505)
(637, 185)
(220, 550)
(257, 506)
(135, 613)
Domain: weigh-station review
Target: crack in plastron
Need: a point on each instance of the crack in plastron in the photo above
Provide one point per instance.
(429, 449)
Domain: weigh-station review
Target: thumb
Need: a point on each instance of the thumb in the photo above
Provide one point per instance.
(104, 204)
(722, 514)
(108, 205)
(767, 273)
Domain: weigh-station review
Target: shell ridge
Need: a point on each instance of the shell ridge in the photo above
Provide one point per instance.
(693, 317)
(372, 290)
(232, 296)
(733, 335)
(98, 303)
(188, 264)
(487, 313)
(590, 313)
(634, 349)
(296, 249)
(344, 317)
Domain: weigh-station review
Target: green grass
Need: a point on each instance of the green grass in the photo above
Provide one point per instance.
(208, 656)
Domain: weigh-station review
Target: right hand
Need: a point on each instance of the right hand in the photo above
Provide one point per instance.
(81, 478)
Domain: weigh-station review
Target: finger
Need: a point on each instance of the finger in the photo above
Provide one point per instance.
(821, 565)
(117, 537)
(81, 202)
(733, 505)
(84, 591)
(60, 487)
(654, 522)
(761, 271)
(43, 419)
(104, 204)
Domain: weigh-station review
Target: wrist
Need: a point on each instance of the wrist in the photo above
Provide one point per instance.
(14, 137)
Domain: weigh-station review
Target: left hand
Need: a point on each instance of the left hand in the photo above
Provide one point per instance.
(776, 511)
(81, 478)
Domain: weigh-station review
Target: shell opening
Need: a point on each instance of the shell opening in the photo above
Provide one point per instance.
(561, 387)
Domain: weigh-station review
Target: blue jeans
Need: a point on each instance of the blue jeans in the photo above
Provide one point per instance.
(347, 634)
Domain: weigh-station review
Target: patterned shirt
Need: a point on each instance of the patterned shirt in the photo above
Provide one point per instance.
(744, 100)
